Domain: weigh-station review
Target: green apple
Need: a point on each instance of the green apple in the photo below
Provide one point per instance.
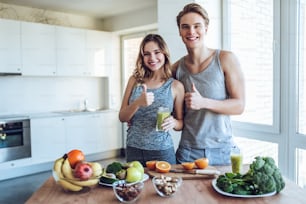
(138, 165)
(133, 174)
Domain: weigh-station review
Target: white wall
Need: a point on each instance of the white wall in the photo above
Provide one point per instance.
(41, 94)
(131, 20)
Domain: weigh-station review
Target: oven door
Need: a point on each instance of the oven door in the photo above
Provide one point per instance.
(15, 142)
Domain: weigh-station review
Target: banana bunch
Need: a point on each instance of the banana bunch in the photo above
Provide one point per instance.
(64, 175)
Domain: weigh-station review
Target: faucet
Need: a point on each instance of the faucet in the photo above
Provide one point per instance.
(85, 104)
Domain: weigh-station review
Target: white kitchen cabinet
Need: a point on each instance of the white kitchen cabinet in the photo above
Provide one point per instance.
(82, 132)
(10, 51)
(71, 52)
(111, 137)
(48, 138)
(99, 52)
(38, 49)
(92, 133)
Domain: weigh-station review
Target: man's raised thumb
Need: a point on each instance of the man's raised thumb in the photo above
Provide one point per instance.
(194, 89)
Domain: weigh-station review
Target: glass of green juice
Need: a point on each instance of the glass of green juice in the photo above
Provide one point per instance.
(162, 113)
(236, 161)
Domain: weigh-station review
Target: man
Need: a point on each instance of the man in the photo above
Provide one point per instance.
(214, 85)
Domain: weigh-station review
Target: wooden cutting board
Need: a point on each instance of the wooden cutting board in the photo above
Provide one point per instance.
(185, 176)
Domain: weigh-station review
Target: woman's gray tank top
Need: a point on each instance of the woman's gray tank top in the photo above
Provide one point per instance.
(141, 133)
(204, 128)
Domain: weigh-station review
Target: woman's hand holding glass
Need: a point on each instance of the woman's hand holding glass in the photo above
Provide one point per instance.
(169, 123)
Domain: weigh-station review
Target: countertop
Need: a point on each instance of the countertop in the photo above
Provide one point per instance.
(57, 113)
(192, 191)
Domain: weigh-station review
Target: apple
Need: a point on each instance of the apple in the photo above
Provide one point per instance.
(133, 174)
(138, 165)
(83, 171)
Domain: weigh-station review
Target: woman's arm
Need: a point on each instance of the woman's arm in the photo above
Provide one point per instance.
(176, 121)
(128, 110)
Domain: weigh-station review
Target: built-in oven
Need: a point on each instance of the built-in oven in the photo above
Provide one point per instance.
(15, 139)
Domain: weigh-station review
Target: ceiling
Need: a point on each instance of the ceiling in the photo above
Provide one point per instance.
(92, 8)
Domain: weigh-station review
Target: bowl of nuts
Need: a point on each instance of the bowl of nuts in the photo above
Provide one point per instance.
(127, 192)
(166, 186)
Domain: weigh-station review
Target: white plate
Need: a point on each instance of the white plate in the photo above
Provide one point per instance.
(145, 177)
(214, 184)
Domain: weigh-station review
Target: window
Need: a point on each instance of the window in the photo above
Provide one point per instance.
(251, 148)
(301, 129)
(130, 44)
(253, 44)
(130, 51)
(302, 68)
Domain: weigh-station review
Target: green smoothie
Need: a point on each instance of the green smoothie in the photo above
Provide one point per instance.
(161, 115)
(236, 160)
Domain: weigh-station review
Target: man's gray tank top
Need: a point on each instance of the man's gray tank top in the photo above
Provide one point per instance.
(141, 133)
(204, 128)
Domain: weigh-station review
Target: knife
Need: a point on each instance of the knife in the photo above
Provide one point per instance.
(197, 171)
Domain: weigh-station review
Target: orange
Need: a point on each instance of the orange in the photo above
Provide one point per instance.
(201, 163)
(188, 165)
(162, 167)
(75, 156)
(151, 164)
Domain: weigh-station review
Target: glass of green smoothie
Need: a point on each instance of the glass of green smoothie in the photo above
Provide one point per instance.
(162, 113)
(237, 161)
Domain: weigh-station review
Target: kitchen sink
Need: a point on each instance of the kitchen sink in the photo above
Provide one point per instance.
(74, 111)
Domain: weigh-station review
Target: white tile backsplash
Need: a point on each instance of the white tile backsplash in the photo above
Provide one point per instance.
(41, 94)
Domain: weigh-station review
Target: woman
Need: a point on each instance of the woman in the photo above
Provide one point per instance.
(151, 86)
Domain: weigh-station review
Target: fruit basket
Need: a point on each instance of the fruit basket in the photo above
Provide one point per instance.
(81, 178)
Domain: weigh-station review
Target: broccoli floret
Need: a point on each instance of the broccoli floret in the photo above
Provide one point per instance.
(257, 164)
(269, 160)
(268, 178)
(279, 181)
(114, 167)
(268, 169)
(264, 182)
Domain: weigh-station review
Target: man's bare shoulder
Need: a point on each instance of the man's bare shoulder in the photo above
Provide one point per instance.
(228, 60)
(227, 55)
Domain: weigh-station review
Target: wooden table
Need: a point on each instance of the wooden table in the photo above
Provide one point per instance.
(192, 191)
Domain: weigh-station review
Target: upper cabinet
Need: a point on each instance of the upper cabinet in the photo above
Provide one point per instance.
(36, 49)
(71, 53)
(99, 52)
(38, 45)
(10, 52)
